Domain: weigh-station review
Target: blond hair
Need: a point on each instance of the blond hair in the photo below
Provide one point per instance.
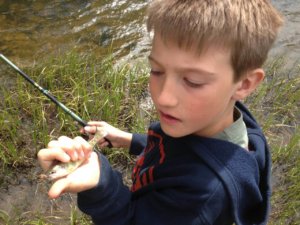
(247, 27)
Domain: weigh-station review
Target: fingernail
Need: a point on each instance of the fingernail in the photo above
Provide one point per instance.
(81, 154)
(67, 157)
(75, 156)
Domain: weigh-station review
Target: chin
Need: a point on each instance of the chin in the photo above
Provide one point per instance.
(172, 132)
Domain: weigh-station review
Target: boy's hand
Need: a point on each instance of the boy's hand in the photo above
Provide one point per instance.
(117, 137)
(66, 149)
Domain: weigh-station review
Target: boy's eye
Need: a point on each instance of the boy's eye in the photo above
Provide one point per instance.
(155, 72)
(192, 84)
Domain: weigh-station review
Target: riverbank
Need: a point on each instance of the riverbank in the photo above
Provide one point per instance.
(96, 89)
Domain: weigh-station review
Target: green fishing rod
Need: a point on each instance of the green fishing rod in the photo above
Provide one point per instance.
(48, 94)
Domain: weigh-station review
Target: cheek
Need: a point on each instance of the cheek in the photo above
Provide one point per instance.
(154, 87)
(204, 103)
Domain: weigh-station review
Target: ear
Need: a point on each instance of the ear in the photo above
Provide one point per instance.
(248, 83)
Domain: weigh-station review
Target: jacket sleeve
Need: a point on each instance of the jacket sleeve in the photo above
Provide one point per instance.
(138, 143)
(109, 202)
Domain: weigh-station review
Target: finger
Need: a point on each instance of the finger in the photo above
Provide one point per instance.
(96, 123)
(82, 130)
(53, 144)
(90, 129)
(46, 157)
(104, 144)
(61, 141)
(101, 141)
(69, 146)
(58, 188)
(64, 139)
(78, 148)
(52, 154)
(83, 147)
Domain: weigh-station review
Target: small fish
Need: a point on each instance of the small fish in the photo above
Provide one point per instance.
(63, 169)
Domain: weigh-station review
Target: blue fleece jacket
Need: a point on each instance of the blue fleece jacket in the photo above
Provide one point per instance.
(186, 181)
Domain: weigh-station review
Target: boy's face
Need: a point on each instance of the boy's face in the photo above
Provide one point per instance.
(192, 94)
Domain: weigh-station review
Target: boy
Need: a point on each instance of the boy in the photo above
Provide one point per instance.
(206, 161)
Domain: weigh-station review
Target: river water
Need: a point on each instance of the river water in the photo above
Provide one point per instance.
(33, 29)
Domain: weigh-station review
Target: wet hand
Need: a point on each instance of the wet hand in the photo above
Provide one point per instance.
(85, 177)
(65, 150)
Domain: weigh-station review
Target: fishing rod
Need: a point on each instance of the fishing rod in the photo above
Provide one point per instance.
(44, 91)
(48, 94)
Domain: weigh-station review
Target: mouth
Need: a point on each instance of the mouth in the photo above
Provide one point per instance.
(168, 118)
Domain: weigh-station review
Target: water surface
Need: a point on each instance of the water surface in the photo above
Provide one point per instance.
(32, 29)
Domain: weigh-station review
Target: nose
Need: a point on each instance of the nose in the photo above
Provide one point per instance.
(168, 95)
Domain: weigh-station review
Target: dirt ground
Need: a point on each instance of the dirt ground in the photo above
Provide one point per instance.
(23, 198)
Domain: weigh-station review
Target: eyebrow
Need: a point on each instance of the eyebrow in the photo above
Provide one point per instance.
(191, 70)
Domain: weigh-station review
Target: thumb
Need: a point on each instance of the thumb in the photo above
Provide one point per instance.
(90, 129)
(58, 188)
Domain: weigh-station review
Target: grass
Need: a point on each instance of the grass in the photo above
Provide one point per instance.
(96, 89)
(276, 105)
(93, 89)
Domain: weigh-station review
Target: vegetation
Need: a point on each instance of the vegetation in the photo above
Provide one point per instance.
(96, 89)
(276, 105)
